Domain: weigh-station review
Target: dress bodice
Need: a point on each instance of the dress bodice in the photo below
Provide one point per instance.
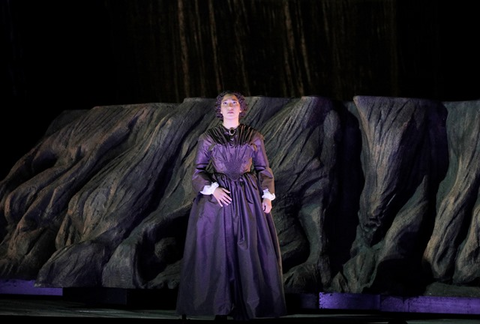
(232, 152)
(229, 155)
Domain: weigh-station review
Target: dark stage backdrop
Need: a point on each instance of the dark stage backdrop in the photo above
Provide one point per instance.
(64, 55)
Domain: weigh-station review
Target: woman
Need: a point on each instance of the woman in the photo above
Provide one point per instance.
(232, 262)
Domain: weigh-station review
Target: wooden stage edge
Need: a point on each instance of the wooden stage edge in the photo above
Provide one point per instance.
(320, 301)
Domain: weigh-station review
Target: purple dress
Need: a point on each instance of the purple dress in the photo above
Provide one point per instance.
(231, 263)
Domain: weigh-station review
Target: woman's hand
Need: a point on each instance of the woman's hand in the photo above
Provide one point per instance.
(222, 196)
(266, 205)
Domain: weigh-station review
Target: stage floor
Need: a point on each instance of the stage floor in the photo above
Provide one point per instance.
(52, 308)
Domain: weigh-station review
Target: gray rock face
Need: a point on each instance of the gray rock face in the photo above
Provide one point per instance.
(375, 195)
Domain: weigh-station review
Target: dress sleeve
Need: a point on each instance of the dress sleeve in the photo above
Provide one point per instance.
(262, 167)
(201, 177)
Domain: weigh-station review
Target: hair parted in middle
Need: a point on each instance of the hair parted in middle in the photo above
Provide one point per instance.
(241, 101)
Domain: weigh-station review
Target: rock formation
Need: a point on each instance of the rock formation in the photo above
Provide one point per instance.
(376, 195)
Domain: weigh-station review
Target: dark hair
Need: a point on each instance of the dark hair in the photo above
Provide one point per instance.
(241, 101)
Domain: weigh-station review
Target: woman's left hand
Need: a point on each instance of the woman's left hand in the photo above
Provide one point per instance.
(266, 205)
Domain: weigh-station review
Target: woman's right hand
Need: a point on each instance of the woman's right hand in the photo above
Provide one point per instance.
(222, 196)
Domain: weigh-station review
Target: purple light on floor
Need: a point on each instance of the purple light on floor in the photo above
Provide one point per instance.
(420, 304)
(25, 287)
(431, 304)
(349, 301)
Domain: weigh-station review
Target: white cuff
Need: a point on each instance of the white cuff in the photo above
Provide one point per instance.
(268, 195)
(209, 189)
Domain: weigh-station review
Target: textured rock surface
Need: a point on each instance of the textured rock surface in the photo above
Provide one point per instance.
(375, 195)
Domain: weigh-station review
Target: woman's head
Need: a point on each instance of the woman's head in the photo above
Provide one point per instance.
(241, 101)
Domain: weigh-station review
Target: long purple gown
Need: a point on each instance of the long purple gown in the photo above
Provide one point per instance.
(231, 263)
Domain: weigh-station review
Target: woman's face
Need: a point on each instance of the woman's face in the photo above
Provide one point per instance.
(230, 107)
